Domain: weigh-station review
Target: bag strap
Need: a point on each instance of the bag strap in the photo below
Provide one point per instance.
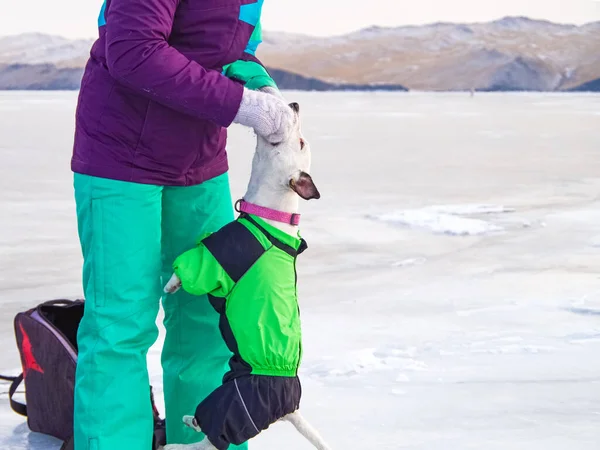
(7, 378)
(159, 436)
(16, 406)
(68, 444)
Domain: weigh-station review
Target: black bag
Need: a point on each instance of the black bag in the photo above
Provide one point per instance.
(47, 342)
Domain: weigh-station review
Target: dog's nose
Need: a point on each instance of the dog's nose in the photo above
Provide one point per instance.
(295, 107)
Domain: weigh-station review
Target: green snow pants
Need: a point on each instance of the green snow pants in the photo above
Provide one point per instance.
(130, 235)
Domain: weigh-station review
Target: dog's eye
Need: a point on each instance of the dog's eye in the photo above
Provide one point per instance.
(301, 144)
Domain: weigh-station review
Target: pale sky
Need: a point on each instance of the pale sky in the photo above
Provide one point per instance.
(77, 18)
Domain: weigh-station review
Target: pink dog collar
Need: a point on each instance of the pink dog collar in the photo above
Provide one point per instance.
(267, 213)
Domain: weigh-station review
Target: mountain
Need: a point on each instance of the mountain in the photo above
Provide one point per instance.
(41, 62)
(513, 53)
(37, 48)
(39, 77)
(590, 86)
(289, 80)
(50, 77)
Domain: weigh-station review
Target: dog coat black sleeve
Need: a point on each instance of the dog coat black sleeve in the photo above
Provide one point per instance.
(241, 408)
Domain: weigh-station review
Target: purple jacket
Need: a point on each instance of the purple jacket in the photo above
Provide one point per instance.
(153, 103)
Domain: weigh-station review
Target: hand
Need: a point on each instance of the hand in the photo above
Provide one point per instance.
(267, 114)
(273, 91)
(173, 285)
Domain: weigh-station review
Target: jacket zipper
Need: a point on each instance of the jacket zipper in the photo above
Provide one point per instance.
(57, 333)
(296, 295)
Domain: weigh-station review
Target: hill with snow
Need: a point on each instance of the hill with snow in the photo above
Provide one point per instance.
(37, 48)
(514, 53)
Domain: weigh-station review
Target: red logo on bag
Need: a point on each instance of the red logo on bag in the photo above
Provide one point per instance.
(30, 363)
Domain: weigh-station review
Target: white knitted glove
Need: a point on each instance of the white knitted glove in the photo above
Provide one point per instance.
(267, 114)
(273, 91)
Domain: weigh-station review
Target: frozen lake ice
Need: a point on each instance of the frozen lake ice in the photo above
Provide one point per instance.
(451, 291)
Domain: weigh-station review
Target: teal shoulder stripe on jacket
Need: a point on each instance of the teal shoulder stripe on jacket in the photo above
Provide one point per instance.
(248, 13)
(255, 40)
(251, 13)
(102, 16)
(250, 70)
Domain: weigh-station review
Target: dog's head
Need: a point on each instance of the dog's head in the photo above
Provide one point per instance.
(287, 164)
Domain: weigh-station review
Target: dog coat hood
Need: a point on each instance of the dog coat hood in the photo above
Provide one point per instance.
(248, 270)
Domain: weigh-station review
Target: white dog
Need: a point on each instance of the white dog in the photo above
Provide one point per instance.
(248, 271)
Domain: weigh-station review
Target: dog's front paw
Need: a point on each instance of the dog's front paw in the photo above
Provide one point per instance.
(190, 421)
(173, 285)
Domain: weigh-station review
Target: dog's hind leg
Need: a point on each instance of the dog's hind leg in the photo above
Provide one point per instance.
(306, 430)
(203, 445)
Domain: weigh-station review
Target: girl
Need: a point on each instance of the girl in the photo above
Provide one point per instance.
(163, 82)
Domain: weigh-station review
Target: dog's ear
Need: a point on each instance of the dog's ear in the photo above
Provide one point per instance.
(305, 187)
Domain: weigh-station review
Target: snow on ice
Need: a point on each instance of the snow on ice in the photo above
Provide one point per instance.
(450, 295)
